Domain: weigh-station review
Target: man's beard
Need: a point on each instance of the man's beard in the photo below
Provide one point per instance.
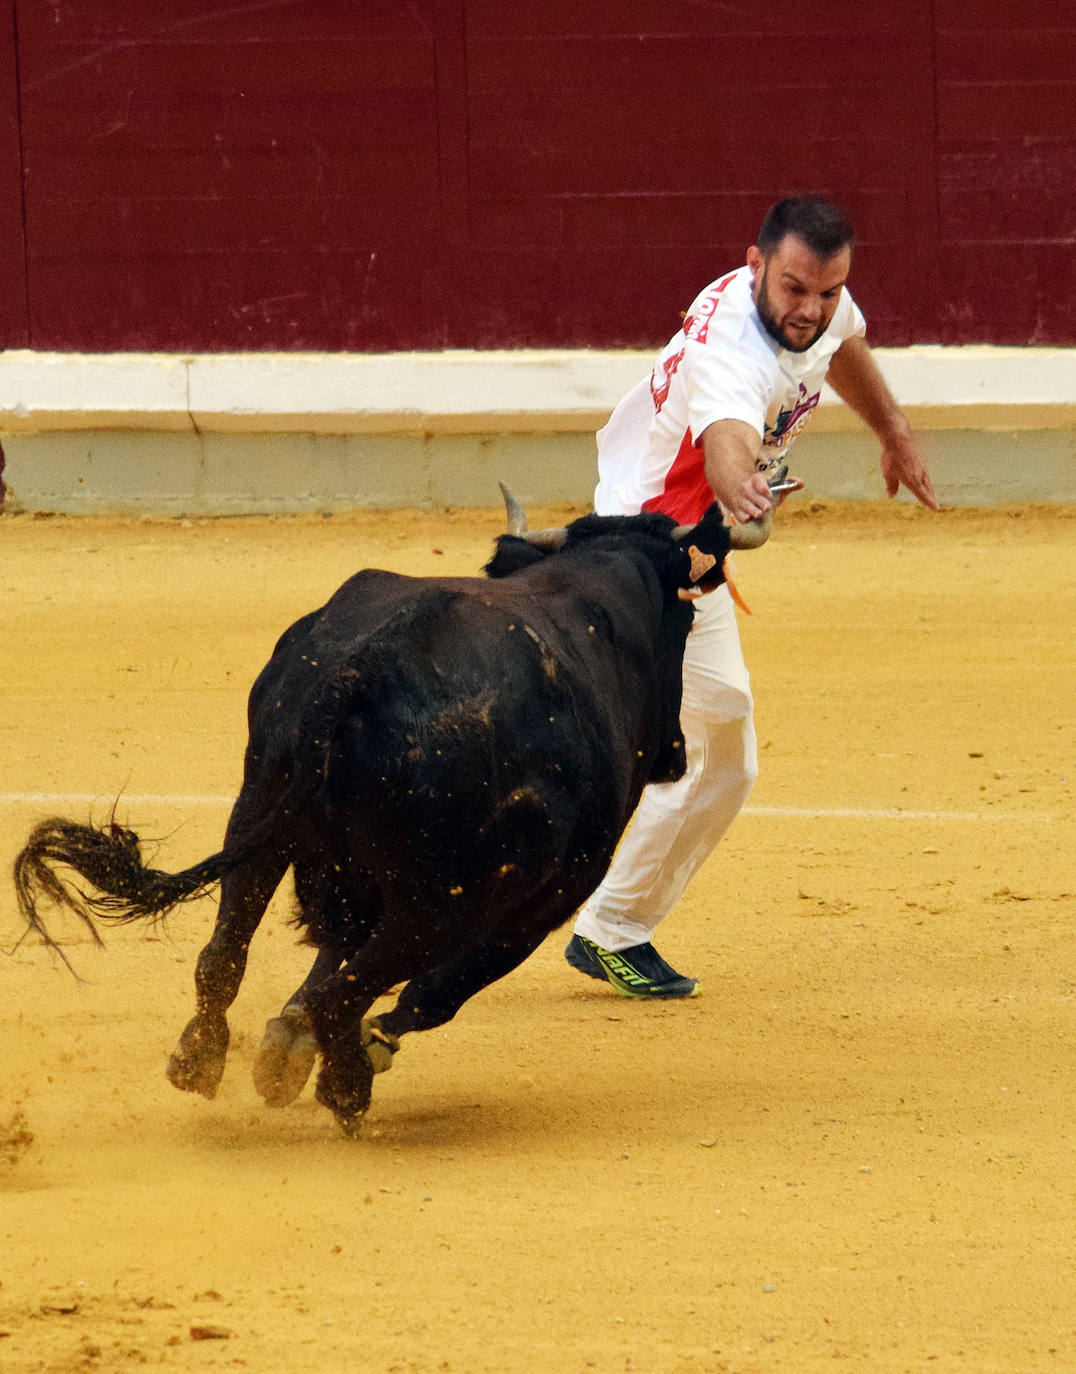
(773, 328)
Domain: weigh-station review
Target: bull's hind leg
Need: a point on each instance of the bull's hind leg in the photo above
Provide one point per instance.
(353, 1049)
(288, 1049)
(434, 998)
(337, 1007)
(197, 1062)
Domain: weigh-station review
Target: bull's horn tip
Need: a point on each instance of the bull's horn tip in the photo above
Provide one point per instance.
(517, 516)
(752, 534)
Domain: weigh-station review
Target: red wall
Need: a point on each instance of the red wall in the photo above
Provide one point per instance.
(375, 174)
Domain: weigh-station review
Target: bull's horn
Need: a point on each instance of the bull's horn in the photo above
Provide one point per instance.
(752, 534)
(517, 516)
(550, 540)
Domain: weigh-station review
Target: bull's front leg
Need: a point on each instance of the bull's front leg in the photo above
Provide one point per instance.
(346, 1078)
(197, 1062)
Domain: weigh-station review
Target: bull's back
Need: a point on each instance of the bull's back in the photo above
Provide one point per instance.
(455, 705)
(462, 732)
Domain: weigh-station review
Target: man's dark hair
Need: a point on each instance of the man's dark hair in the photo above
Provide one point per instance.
(823, 226)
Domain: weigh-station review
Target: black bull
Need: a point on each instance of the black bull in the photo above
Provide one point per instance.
(447, 765)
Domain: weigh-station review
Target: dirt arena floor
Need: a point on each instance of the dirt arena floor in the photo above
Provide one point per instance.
(857, 1150)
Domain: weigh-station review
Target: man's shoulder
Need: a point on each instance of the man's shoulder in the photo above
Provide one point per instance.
(726, 298)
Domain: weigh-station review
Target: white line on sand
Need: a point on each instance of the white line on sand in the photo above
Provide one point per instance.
(854, 813)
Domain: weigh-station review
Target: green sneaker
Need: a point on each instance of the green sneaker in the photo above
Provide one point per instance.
(636, 972)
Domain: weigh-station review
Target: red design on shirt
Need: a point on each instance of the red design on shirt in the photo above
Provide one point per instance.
(660, 390)
(686, 495)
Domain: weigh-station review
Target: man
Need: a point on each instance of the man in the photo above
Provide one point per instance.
(726, 398)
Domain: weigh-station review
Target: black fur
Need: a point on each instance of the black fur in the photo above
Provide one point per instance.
(446, 763)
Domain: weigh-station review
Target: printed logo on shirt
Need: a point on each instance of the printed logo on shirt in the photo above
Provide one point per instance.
(697, 326)
(787, 423)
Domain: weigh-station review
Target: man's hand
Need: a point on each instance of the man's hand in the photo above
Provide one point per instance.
(903, 464)
(750, 499)
(854, 376)
(731, 450)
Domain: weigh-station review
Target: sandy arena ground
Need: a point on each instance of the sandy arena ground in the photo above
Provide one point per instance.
(857, 1150)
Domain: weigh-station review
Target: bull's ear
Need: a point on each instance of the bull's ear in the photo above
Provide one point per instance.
(510, 555)
(706, 545)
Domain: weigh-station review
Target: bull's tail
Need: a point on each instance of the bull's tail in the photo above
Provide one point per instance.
(108, 857)
(121, 886)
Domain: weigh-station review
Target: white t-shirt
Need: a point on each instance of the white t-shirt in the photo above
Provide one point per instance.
(722, 365)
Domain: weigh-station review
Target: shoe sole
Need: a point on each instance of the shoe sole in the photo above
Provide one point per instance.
(653, 994)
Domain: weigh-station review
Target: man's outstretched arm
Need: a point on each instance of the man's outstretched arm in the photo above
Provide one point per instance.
(854, 376)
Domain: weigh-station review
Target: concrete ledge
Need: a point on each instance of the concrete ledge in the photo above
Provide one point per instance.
(524, 392)
(264, 433)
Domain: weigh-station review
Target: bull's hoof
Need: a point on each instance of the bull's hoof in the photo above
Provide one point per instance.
(350, 1126)
(379, 1045)
(197, 1062)
(285, 1057)
(348, 1111)
(344, 1085)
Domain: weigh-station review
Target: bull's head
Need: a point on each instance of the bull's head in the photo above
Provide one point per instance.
(751, 535)
(706, 569)
(650, 570)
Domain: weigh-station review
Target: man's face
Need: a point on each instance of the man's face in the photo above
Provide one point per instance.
(796, 292)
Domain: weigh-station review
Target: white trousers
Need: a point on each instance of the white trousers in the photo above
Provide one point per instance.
(677, 824)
